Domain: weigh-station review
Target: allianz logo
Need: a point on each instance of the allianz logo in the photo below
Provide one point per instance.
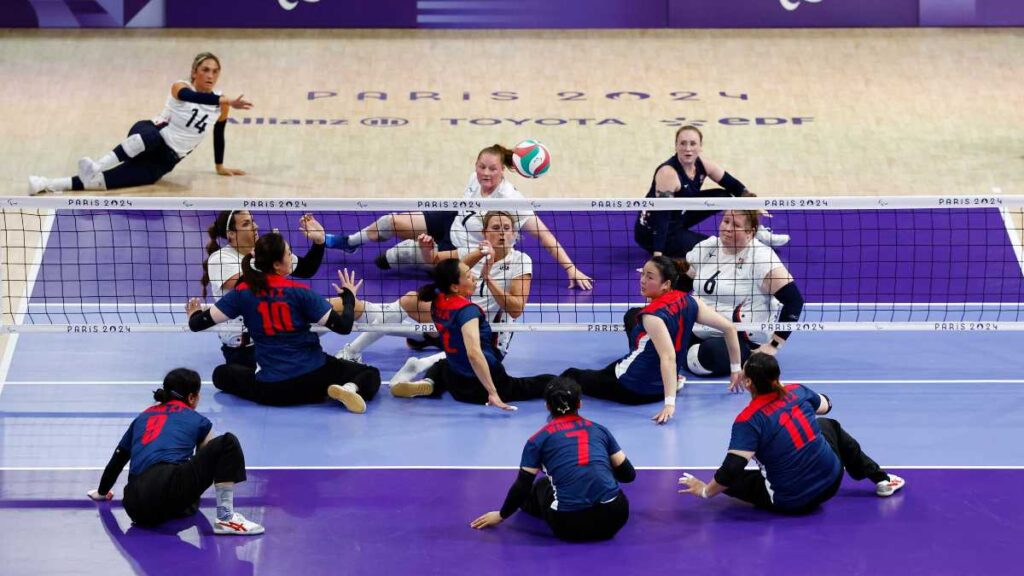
(291, 4)
(789, 5)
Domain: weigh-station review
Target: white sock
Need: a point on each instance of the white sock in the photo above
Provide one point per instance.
(108, 161)
(351, 387)
(384, 227)
(99, 184)
(364, 341)
(59, 184)
(414, 367)
(225, 500)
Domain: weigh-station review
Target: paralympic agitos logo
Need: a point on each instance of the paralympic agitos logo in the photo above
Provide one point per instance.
(789, 5)
(291, 4)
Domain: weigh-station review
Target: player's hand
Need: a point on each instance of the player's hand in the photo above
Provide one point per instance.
(492, 518)
(495, 400)
(736, 384)
(664, 415)
(192, 306)
(578, 279)
(95, 495)
(239, 103)
(348, 280)
(225, 171)
(691, 485)
(312, 229)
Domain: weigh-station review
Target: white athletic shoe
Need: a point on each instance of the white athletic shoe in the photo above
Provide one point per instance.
(888, 487)
(412, 389)
(352, 401)
(38, 185)
(91, 174)
(347, 353)
(238, 525)
(765, 236)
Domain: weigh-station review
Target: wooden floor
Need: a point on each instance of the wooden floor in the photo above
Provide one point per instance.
(919, 111)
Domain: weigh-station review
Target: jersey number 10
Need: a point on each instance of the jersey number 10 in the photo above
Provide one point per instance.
(277, 317)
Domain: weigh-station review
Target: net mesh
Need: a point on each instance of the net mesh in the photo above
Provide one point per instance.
(920, 263)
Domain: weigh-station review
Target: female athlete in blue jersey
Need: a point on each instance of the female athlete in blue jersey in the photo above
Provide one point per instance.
(472, 370)
(174, 459)
(657, 342)
(154, 147)
(579, 496)
(682, 176)
(278, 314)
(222, 269)
(801, 455)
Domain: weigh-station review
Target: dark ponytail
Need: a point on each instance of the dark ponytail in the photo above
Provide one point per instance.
(501, 152)
(675, 271)
(219, 229)
(763, 371)
(178, 384)
(270, 248)
(443, 275)
(562, 396)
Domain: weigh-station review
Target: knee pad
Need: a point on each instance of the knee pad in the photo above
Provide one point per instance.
(230, 438)
(133, 145)
(693, 361)
(405, 253)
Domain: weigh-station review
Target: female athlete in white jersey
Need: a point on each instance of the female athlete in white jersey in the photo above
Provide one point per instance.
(745, 281)
(154, 147)
(454, 230)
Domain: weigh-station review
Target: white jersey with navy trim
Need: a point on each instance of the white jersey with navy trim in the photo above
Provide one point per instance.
(185, 123)
(731, 281)
(514, 265)
(468, 228)
(222, 266)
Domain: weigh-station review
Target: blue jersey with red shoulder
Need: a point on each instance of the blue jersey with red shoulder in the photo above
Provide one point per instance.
(575, 453)
(167, 432)
(450, 313)
(278, 320)
(640, 370)
(797, 461)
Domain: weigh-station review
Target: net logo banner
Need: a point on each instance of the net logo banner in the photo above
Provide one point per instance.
(791, 13)
(291, 14)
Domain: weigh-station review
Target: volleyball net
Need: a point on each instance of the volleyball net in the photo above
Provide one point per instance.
(120, 264)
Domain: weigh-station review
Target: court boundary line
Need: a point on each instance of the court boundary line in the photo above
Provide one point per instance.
(19, 316)
(428, 467)
(715, 382)
(574, 305)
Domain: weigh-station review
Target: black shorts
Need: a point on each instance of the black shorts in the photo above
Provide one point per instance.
(439, 226)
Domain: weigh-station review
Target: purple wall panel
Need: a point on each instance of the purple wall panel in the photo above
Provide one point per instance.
(972, 12)
(291, 13)
(542, 14)
(791, 13)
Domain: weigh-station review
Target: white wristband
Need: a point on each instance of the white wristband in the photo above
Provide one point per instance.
(736, 367)
(704, 492)
(670, 400)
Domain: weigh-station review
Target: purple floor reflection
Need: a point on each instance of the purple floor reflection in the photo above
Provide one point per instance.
(416, 522)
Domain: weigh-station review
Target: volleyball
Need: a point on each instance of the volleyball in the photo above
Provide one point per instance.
(531, 158)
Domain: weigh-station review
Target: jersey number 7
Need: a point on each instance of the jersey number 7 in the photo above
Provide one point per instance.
(582, 446)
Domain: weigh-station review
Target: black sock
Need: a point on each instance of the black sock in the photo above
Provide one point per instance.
(76, 184)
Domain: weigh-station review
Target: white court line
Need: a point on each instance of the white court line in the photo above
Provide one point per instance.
(688, 382)
(19, 316)
(314, 468)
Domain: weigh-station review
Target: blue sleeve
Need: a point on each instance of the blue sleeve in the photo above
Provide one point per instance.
(230, 304)
(466, 314)
(204, 429)
(125, 445)
(613, 445)
(313, 306)
(812, 397)
(531, 454)
(744, 437)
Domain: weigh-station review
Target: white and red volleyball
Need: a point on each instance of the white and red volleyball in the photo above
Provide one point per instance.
(531, 159)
